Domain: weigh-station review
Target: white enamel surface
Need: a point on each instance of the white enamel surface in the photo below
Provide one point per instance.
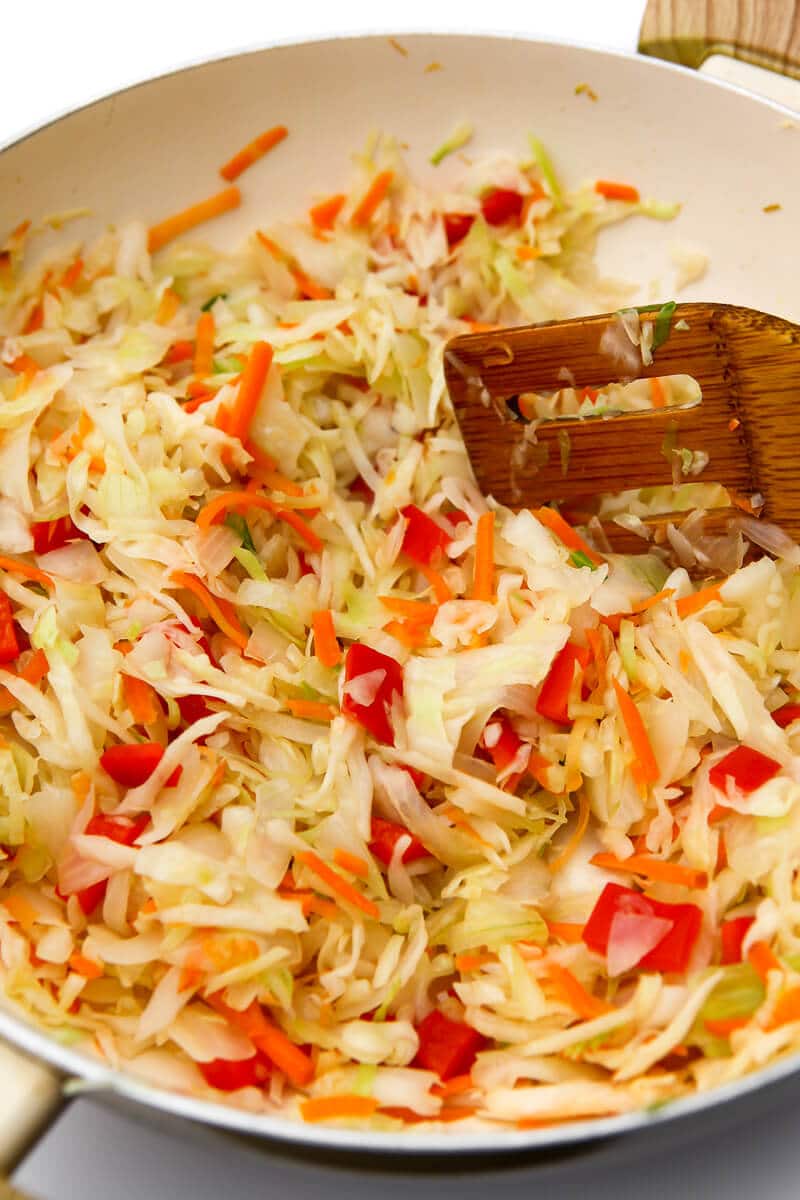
(154, 148)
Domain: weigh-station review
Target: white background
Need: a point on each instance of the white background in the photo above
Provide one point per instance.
(56, 56)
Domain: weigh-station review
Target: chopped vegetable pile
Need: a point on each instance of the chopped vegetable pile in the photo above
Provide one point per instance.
(329, 787)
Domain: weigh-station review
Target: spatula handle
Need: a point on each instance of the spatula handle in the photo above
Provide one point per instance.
(764, 32)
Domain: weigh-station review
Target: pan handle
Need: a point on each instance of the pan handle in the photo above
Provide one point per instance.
(763, 32)
(30, 1099)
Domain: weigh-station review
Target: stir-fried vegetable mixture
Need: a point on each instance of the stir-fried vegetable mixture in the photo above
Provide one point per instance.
(328, 786)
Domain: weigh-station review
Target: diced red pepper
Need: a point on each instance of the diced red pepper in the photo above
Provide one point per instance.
(193, 708)
(423, 541)
(9, 645)
(229, 1076)
(132, 765)
(52, 535)
(786, 715)
(305, 569)
(457, 226)
(124, 830)
(553, 697)
(500, 205)
(375, 716)
(456, 517)
(748, 768)
(386, 835)
(505, 750)
(89, 898)
(360, 487)
(418, 777)
(732, 935)
(673, 951)
(447, 1047)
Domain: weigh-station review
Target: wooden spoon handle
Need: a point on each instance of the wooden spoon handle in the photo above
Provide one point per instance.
(764, 32)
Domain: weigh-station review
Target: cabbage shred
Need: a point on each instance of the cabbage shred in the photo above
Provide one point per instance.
(209, 901)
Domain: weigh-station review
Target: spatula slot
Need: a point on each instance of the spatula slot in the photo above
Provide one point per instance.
(616, 397)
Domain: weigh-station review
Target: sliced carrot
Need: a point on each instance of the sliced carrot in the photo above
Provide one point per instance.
(33, 672)
(23, 364)
(86, 966)
(239, 417)
(763, 960)
(181, 222)
(36, 319)
(456, 1086)
(409, 633)
(141, 699)
(333, 1108)
(692, 604)
(262, 460)
(352, 863)
(651, 601)
(373, 197)
(653, 868)
(308, 288)
(252, 152)
(301, 527)
(274, 480)
(222, 612)
(441, 588)
(787, 1009)
(565, 533)
(412, 610)
(723, 1027)
(595, 639)
(72, 274)
(324, 214)
(267, 1037)
(235, 501)
(718, 813)
(617, 191)
(326, 647)
(528, 253)
(640, 742)
(570, 991)
(658, 397)
(204, 345)
(168, 306)
(200, 397)
(483, 577)
(311, 710)
(15, 567)
(565, 931)
(576, 837)
(337, 884)
(473, 962)
(20, 910)
(180, 351)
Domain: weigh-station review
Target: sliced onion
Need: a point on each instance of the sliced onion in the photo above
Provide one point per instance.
(631, 937)
(78, 562)
(364, 688)
(770, 538)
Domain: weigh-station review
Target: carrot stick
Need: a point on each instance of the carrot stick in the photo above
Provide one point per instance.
(617, 191)
(595, 639)
(198, 400)
(576, 837)
(72, 274)
(528, 253)
(570, 991)
(252, 152)
(180, 351)
(33, 673)
(640, 742)
(441, 589)
(240, 417)
(211, 513)
(311, 710)
(472, 962)
(267, 1037)
(653, 868)
(301, 527)
(337, 884)
(651, 601)
(275, 480)
(140, 698)
(409, 633)
(221, 611)
(483, 578)
(352, 863)
(565, 533)
(181, 222)
(204, 345)
(262, 460)
(168, 305)
(457, 1085)
(762, 960)
(86, 966)
(787, 1009)
(658, 397)
(326, 647)
(308, 288)
(376, 192)
(724, 1026)
(334, 1108)
(565, 931)
(692, 604)
(15, 567)
(23, 364)
(324, 214)
(412, 610)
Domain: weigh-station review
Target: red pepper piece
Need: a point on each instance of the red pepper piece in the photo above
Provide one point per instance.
(124, 830)
(456, 517)
(52, 535)
(447, 1047)
(386, 835)
(305, 569)
(360, 487)
(375, 716)
(418, 777)
(553, 697)
(89, 898)
(9, 645)
(133, 765)
(673, 951)
(193, 708)
(505, 749)
(732, 935)
(457, 226)
(423, 541)
(786, 715)
(500, 205)
(229, 1076)
(748, 768)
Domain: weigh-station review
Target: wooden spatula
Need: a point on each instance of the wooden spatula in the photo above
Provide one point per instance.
(747, 364)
